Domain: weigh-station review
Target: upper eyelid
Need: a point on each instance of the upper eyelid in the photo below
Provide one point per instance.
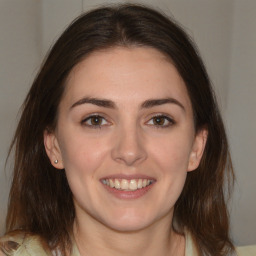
(161, 115)
(168, 118)
(93, 115)
(150, 117)
(86, 119)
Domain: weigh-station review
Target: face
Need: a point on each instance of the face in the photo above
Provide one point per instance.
(125, 136)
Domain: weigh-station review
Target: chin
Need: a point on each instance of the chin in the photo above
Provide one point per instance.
(130, 226)
(128, 222)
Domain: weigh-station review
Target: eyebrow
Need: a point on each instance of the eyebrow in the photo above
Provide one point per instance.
(157, 102)
(95, 101)
(110, 104)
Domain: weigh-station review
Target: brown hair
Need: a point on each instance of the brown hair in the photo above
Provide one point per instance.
(40, 198)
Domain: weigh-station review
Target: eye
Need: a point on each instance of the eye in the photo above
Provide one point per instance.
(94, 121)
(161, 121)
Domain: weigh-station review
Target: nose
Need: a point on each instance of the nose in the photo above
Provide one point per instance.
(129, 148)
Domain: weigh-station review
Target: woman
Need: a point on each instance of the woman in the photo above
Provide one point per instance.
(120, 149)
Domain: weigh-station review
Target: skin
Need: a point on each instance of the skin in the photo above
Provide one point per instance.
(129, 142)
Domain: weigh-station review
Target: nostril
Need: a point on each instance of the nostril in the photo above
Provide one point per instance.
(129, 151)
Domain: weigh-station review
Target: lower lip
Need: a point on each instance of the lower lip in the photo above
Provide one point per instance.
(121, 194)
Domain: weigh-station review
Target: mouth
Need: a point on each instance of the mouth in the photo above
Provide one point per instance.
(127, 184)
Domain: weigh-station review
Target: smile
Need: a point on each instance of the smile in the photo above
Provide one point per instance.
(127, 185)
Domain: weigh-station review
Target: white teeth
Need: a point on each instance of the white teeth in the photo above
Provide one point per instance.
(124, 184)
(140, 183)
(111, 183)
(127, 185)
(117, 184)
(133, 185)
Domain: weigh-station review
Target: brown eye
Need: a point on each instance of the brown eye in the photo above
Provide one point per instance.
(161, 121)
(94, 121)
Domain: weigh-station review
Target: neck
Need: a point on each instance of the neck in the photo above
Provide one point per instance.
(96, 239)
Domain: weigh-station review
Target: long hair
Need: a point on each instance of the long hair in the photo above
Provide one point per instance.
(40, 198)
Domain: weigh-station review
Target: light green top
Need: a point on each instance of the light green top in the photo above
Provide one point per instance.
(22, 244)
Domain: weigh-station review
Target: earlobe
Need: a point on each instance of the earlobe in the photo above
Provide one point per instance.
(197, 149)
(52, 149)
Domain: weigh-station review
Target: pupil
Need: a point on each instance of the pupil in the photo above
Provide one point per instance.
(96, 120)
(158, 120)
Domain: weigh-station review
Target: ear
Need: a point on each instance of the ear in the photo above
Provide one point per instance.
(53, 150)
(197, 149)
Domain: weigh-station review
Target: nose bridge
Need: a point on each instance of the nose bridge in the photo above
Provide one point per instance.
(128, 147)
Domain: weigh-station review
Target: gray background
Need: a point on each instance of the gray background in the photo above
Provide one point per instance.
(225, 32)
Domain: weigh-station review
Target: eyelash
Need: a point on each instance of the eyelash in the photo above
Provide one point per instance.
(94, 126)
(166, 119)
(102, 119)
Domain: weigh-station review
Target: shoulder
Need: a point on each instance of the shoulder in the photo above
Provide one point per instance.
(20, 243)
(239, 251)
(246, 250)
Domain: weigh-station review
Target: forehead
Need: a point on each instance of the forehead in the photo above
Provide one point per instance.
(121, 72)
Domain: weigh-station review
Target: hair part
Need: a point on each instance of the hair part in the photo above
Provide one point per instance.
(40, 198)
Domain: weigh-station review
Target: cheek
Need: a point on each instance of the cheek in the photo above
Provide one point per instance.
(82, 158)
(169, 158)
(172, 154)
(173, 159)
(82, 155)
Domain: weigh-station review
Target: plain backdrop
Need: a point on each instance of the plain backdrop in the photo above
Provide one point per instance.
(225, 32)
